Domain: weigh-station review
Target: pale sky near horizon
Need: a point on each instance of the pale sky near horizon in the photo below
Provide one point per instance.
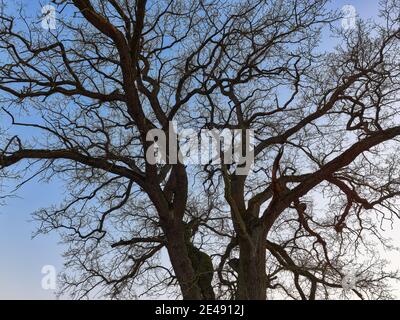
(22, 258)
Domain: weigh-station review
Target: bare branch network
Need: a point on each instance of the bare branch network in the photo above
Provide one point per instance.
(79, 99)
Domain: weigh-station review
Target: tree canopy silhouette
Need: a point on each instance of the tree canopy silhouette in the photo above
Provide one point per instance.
(79, 101)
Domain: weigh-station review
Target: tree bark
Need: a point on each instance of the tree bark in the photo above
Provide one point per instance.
(252, 284)
(181, 263)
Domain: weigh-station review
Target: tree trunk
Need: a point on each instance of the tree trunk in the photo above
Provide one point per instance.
(252, 283)
(181, 263)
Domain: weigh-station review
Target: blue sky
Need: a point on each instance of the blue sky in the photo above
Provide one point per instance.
(22, 258)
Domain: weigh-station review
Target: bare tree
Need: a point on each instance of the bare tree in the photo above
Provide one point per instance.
(88, 93)
(321, 123)
(98, 84)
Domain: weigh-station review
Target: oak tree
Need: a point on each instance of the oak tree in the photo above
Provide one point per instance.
(78, 103)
